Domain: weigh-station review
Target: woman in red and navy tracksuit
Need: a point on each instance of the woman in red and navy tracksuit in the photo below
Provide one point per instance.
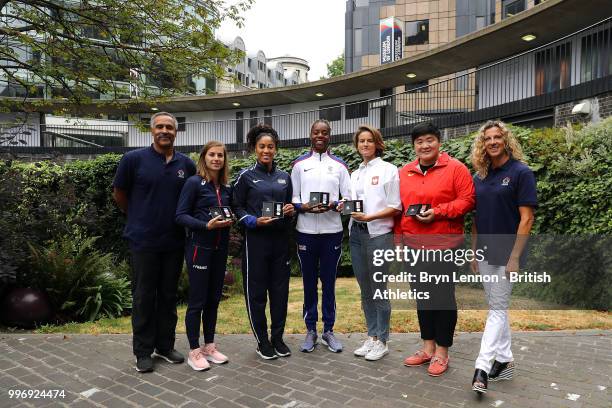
(265, 255)
(205, 250)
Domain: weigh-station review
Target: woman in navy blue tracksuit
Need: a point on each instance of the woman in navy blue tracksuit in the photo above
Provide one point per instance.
(265, 256)
(205, 250)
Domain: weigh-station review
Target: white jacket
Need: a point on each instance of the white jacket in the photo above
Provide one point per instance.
(377, 184)
(322, 172)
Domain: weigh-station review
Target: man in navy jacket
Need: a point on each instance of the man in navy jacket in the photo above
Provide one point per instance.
(147, 186)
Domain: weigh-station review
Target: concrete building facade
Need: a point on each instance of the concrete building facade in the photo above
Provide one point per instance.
(426, 24)
(257, 71)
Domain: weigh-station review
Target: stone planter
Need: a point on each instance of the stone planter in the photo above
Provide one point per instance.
(25, 308)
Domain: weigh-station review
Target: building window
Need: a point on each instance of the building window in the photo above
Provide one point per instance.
(252, 118)
(512, 7)
(553, 68)
(595, 55)
(181, 123)
(330, 112)
(358, 41)
(239, 127)
(261, 66)
(462, 80)
(481, 22)
(357, 109)
(268, 116)
(416, 87)
(417, 32)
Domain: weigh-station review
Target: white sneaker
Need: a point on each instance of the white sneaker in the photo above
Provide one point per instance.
(379, 350)
(365, 348)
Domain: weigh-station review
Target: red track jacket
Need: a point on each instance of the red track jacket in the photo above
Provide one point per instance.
(449, 188)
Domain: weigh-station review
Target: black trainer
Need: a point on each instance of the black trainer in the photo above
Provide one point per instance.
(280, 348)
(479, 382)
(501, 371)
(266, 351)
(171, 356)
(144, 364)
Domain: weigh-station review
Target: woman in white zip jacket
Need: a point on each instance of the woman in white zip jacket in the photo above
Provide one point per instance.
(319, 231)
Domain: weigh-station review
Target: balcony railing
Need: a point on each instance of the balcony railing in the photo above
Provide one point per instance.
(574, 67)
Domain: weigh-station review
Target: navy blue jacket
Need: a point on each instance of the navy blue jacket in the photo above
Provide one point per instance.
(153, 188)
(255, 185)
(193, 211)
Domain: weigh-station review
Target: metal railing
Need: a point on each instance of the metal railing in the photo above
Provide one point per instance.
(573, 67)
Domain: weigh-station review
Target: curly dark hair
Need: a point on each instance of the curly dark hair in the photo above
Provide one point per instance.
(258, 131)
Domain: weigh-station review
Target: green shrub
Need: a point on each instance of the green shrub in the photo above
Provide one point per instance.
(82, 283)
(43, 202)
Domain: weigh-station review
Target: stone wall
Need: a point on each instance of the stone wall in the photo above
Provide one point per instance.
(601, 108)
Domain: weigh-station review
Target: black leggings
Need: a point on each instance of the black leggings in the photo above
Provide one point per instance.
(206, 268)
(438, 315)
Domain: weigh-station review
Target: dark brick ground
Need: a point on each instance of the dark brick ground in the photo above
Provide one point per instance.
(568, 369)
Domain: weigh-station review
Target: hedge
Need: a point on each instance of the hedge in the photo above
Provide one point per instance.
(42, 202)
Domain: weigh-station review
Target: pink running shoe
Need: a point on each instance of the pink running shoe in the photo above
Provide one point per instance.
(197, 361)
(213, 355)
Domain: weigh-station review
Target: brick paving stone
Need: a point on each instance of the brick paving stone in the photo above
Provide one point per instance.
(224, 392)
(251, 402)
(334, 396)
(199, 396)
(120, 390)
(576, 361)
(172, 398)
(278, 400)
(141, 399)
(304, 397)
(222, 403)
(149, 389)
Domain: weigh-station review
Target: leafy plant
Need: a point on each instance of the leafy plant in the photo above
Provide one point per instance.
(81, 282)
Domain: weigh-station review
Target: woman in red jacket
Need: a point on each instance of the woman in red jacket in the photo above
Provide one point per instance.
(436, 192)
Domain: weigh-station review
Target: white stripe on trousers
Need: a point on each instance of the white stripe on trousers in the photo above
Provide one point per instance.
(246, 243)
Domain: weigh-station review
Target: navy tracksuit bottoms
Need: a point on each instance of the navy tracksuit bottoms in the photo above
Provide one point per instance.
(206, 267)
(319, 255)
(265, 274)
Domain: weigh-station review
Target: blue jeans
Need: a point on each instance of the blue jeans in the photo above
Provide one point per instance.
(377, 311)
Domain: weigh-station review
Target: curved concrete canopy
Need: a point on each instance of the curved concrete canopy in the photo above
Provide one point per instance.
(549, 21)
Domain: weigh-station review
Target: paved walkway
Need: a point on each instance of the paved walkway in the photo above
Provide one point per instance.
(569, 369)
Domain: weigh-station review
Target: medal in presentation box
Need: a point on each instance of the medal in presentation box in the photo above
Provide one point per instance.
(317, 197)
(272, 209)
(351, 206)
(223, 211)
(417, 209)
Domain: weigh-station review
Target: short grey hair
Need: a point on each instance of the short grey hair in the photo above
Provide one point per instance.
(158, 114)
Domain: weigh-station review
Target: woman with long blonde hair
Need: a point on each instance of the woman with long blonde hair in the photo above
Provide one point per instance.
(505, 202)
(205, 249)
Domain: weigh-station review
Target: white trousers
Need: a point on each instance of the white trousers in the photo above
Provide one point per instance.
(495, 344)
